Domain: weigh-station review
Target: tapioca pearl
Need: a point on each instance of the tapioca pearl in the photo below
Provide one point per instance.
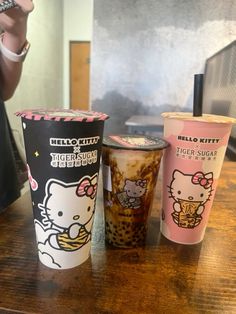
(128, 243)
(107, 227)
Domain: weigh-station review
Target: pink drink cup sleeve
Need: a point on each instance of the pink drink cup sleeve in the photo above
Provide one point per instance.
(191, 169)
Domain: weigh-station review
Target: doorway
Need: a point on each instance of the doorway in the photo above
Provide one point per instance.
(79, 75)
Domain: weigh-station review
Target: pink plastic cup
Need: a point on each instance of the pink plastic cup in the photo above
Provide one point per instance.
(191, 169)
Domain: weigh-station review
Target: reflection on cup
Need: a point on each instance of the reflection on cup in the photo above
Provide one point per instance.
(63, 151)
(130, 170)
(191, 169)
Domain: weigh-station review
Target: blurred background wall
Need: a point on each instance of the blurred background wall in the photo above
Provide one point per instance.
(45, 77)
(78, 21)
(41, 83)
(146, 52)
(143, 58)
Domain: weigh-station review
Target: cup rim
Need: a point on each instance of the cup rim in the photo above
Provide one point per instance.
(60, 114)
(205, 118)
(118, 141)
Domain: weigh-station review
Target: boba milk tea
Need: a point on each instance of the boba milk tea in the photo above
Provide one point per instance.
(130, 170)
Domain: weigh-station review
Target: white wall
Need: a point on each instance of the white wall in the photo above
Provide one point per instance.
(78, 20)
(41, 83)
(45, 76)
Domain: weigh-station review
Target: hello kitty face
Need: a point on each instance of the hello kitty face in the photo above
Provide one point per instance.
(77, 207)
(200, 183)
(135, 188)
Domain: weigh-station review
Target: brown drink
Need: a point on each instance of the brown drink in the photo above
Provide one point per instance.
(130, 170)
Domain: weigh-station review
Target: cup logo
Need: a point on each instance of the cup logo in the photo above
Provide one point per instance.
(132, 193)
(67, 211)
(33, 183)
(190, 193)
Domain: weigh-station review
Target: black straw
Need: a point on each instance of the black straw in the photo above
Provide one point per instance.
(198, 95)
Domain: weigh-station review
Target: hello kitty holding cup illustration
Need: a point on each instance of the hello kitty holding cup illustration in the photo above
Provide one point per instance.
(132, 192)
(67, 211)
(190, 193)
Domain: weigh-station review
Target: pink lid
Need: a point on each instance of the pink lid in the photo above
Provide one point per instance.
(62, 115)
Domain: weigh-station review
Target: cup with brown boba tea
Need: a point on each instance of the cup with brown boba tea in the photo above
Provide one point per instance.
(130, 171)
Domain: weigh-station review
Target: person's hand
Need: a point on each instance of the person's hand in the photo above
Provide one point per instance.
(25, 5)
(14, 21)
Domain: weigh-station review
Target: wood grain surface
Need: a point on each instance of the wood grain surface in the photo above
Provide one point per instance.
(162, 277)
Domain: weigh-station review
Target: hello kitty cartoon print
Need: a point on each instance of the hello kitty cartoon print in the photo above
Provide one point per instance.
(190, 193)
(33, 183)
(132, 192)
(67, 212)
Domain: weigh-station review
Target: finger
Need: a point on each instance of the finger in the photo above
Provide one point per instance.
(26, 5)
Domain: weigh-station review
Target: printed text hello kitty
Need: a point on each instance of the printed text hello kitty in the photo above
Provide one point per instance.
(75, 154)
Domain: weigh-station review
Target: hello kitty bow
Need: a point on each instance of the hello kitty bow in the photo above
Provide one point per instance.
(87, 188)
(204, 180)
(141, 183)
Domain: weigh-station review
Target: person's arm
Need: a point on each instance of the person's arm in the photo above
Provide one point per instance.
(14, 25)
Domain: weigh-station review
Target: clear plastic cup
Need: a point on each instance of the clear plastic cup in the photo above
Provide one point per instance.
(130, 171)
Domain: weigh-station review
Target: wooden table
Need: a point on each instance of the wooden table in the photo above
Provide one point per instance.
(162, 277)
